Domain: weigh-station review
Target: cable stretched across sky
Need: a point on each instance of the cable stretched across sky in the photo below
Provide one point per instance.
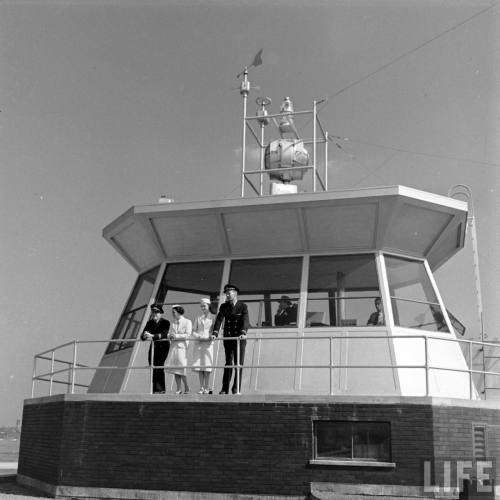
(327, 99)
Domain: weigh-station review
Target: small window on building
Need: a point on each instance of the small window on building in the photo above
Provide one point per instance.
(270, 288)
(414, 301)
(342, 290)
(352, 441)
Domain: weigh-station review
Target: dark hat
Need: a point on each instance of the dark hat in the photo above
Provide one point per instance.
(285, 298)
(231, 287)
(157, 307)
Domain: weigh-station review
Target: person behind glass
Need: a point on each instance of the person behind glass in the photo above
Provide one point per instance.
(286, 313)
(377, 318)
(236, 322)
(204, 349)
(156, 329)
(181, 329)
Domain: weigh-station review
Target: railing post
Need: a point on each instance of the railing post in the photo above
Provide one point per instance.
(33, 378)
(238, 365)
(471, 390)
(51, 372)
(73, 367)
(426, 366)
(151, 367)
(331, 366)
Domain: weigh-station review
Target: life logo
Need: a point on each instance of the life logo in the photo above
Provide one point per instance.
(474, 476)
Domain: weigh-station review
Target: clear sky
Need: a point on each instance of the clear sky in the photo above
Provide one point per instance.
(108, 104)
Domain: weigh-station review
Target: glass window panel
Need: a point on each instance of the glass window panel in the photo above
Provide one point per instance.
(187, 282)
(333, 440)
(417, 315)
(262, 283)
(142, 290)
(409, 280)
(341, 290)
(130, 321)
(343, 440)
(371, 441)
(414, 301)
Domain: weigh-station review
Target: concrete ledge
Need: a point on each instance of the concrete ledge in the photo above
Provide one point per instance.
(36, 484)
(352, 463)
(269, 398)
(331, 491)
(76, 492)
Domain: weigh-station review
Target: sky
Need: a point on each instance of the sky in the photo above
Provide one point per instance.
(109, 104)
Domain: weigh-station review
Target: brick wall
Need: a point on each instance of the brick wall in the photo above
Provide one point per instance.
(221, 446)
(39, 450)
(452, 427)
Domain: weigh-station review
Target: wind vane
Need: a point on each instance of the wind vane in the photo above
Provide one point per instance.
(257, 61)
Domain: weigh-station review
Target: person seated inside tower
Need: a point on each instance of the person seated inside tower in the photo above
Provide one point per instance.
(286, 313)
(377, 317)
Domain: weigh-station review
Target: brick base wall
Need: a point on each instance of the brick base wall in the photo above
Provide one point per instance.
(228, 444)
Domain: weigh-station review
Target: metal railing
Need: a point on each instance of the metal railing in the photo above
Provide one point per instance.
(72, 367)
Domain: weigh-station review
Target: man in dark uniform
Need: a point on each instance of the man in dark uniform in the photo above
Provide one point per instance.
(156, 329)
(286, 313)
(377, 318)
(236, 322)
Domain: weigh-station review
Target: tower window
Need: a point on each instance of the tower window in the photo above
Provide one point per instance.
(352, 441)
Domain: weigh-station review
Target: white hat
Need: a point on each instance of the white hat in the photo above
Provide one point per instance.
(204, 300)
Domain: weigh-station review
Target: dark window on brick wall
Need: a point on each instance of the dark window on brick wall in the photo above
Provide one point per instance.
(342, 440)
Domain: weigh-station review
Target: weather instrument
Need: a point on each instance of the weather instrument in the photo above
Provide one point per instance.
(284, 156)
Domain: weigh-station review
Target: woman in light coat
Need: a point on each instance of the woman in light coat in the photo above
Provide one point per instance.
(180, 331)
(204, 349)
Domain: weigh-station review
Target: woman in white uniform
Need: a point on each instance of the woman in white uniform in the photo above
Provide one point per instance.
(204, 349)
(180, 330)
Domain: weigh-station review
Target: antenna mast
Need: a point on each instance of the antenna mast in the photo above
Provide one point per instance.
(244, 91)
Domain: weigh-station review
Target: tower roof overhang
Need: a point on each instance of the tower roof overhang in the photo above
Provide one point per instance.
(393, 219)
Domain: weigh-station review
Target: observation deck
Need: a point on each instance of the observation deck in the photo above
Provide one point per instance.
(330, 406)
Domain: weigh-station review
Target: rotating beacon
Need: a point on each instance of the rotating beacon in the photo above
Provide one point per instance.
(286, 160)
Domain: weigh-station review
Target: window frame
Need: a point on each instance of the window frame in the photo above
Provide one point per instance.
(296, 297)
(381, 281)
(394, 299)
(116, 346)
(352, 462)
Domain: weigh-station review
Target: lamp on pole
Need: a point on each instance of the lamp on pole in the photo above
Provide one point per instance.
(462, 190)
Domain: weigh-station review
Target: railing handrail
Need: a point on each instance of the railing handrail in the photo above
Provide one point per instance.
(73, 366)
(288, 337)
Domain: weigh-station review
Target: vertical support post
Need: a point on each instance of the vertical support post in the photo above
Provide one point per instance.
(73, 367)
(341, 279)
(326, 161)
(262, 152)
(244, 91)
(51, 372)
(33, 378)
(238, 365)
(331, 365)
(314, 145)
(427, 392)
(471, 386)
(151, 367)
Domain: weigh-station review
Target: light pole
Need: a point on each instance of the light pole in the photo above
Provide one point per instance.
(464, 191)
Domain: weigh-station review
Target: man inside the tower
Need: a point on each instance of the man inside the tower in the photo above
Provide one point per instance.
(377, 318)
(236, 322)
(286, 313)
